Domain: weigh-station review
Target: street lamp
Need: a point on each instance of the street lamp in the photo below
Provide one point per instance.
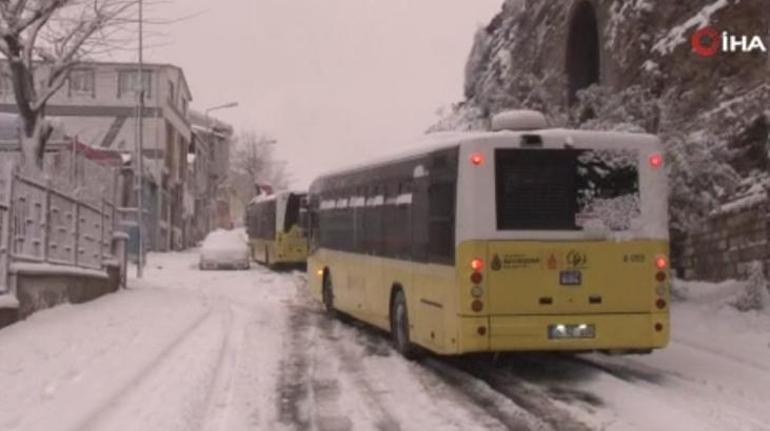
(225, 106)
(209, 126)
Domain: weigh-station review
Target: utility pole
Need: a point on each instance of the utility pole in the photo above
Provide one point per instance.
(140, 147)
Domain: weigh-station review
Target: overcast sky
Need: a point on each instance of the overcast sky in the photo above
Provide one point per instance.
(334, 81)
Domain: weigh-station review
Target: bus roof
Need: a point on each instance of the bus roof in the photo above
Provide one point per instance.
(443, 140)
(274, 196)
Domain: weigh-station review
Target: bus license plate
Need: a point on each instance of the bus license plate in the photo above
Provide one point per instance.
(570, 278)
(560, 332)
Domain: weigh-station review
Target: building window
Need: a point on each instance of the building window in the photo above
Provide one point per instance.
(82, 83)
(128, 83)
(171, 93)
(6, 87)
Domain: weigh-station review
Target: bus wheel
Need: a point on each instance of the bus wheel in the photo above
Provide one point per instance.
(399, 327)
(328, 294)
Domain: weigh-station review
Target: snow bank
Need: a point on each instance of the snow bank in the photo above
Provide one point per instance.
(9, 301)
(51, 269)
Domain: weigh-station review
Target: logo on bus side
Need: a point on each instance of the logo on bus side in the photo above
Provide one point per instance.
(513, 261)
(577, 259)
(496, 263)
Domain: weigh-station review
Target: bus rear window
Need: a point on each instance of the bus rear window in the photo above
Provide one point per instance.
(566, 189)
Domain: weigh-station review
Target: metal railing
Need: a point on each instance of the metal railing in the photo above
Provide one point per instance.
(40, 224)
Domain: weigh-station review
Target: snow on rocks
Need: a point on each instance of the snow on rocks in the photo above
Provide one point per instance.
(677, 35)
(754, 295)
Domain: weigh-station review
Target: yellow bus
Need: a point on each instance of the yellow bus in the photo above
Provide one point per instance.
(523, 238)
(275, 228)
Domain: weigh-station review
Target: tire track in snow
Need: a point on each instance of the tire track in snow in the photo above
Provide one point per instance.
(294, 380)
(309, 395)
(703, 403)
(218, 400)
(492, 402)
(352, 366)
(101, 410)
(488, 394)
(533, 398)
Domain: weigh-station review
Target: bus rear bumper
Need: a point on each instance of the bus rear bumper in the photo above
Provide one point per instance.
(612, 332)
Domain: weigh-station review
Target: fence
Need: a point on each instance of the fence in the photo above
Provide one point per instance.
(40, 224)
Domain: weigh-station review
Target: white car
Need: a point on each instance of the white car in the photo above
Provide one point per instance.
(225, 249)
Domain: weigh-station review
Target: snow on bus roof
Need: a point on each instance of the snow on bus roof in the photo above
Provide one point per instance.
(274, 196)
(426, 144)
(443, 140)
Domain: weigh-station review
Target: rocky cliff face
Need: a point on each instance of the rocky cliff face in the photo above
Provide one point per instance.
(629, 64)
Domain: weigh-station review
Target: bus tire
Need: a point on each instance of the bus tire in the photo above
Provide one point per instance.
(399, 327)
(327, 293)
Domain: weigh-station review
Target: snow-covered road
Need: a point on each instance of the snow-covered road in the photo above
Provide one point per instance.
(248, 350)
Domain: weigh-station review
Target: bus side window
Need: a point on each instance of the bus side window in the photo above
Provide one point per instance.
(373, 221)
(419, 220)
(441, 219)
(311, 222)
(359, 209)
(391, 230)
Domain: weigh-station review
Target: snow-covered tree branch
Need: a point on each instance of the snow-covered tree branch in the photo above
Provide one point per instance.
(42, 41)
(254, 165)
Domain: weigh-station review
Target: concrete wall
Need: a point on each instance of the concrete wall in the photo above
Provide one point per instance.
(39, 290)
(726, 244)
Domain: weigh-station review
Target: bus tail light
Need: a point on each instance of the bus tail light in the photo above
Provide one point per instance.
(656, 160)
(476, 278)
(660, 303)
(660, 276)
(658, 327)
(661, 262)
(477, 292)
(477, 264)
(477, 306)
(477, 159)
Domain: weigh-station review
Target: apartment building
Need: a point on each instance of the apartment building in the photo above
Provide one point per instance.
(210, 162)
(98, 106)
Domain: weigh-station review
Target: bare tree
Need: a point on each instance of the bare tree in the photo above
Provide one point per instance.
(253, 165)
(43, 40)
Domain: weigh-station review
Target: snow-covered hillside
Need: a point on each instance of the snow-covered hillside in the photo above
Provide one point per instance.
(711, 112)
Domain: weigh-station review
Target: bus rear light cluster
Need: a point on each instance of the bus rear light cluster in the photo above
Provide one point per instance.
(477, 264)
(476, 278)
(477, 306)
(656, 160)
(477, 159)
